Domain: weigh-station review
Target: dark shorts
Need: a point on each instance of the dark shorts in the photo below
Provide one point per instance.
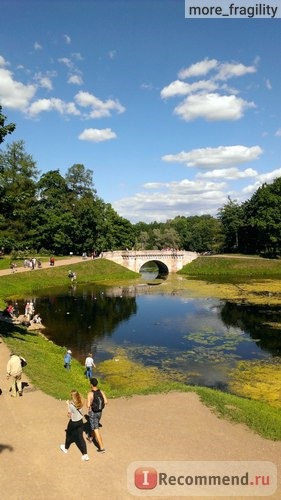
(94, 419)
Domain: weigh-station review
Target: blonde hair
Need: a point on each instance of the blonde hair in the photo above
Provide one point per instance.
(77, 399)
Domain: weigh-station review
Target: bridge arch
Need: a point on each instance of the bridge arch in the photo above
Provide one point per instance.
(163, 269)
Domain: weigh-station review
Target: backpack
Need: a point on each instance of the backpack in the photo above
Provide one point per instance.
(23, 362)
(98, 401)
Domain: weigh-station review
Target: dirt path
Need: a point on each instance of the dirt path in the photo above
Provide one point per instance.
(173, 427)
(45, 265)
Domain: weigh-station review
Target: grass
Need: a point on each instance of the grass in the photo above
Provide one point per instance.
(234, 268)
(120, 376)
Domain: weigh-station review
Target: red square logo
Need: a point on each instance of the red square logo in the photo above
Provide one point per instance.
(145, 478)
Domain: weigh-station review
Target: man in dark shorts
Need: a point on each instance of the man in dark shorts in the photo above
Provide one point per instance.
(95, 402)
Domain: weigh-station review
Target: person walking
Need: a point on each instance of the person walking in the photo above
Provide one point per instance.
(14, 370)
(96, 401)
(74, 431)
(89, 364)
(67, 359)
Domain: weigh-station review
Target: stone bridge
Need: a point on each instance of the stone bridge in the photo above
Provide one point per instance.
(168, 261)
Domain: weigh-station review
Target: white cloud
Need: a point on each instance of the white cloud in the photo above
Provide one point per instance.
(223, 155)
(228, 174)
(198, 69)
(261, 179)
(211, 99)
(67, 39)
(99, 108)
(3, 62)
(75, 80)
(212, 107)
(66, 61)
(37, 46)
(268, 84)
(182, 88)
(230, 70)
(43, 81)
(14, 94)
(278, 132)
(77, 56)
(53, 104)
(171, 199)
(97, 135)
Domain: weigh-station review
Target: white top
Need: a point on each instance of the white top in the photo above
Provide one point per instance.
(89, 361)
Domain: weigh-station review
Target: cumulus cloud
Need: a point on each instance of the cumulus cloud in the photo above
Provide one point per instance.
(53, 104)
(98, 108)
(230, 70)
(261, 179)
(228, 174)
(43, 81)
(198, 69)
(211, 99)
(14, 94)
(97, 135)
(179, 88)
(75, 80)
(171, 199)
(66, 61)
(212, 107)
(209, 157)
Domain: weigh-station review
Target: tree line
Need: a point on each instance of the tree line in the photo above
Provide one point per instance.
(52, 213)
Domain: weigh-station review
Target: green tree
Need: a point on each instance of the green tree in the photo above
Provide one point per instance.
(262, 225)
(80, 180)
(231, 216)
(18, 175)
(5, 129)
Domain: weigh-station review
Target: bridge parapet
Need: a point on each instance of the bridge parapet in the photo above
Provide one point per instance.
(135, 259)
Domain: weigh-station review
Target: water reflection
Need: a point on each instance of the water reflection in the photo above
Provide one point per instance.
(198, 339)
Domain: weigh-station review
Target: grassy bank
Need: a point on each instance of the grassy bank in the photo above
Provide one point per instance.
(97, 271)
(234, 268)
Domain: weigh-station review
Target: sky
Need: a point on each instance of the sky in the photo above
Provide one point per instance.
(172, 115)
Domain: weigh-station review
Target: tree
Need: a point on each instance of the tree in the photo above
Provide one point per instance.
(18, 175)
(5, 129)
(262, 213)
(79, 180)
(231, 217)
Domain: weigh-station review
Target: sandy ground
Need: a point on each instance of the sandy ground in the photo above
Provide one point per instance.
(167, 427)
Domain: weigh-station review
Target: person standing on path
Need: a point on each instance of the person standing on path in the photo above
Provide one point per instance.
(74, 431)
(67, 359)
(89, 364)
(14, 369)
(96, 401)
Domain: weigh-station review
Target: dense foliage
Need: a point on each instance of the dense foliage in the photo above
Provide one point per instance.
(59, 214)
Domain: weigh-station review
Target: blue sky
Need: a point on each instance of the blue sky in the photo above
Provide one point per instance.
(171, 115)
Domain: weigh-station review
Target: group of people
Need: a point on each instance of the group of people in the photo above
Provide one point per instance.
(95, 403)
(89, 363)
(96, 400)
(32, 263)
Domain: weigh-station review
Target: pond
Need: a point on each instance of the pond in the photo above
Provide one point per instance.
(196, 340)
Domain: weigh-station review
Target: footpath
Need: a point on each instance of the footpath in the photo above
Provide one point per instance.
(172, 427)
